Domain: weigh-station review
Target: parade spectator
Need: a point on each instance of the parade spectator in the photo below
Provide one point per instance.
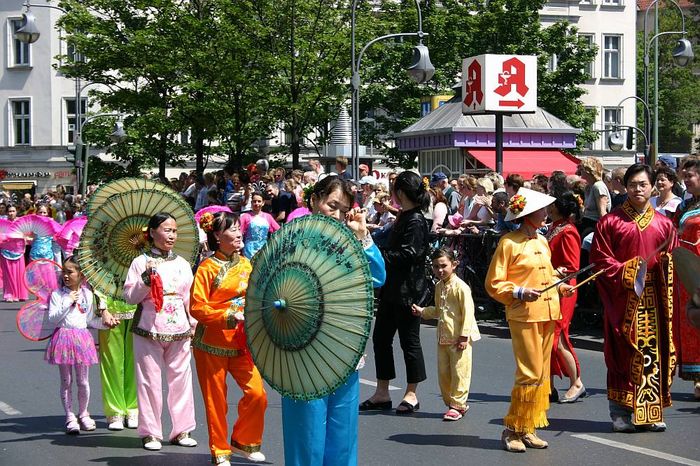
(367, 183)
(405, 284)
(499, 204)
(565, 244)
(520, 268)
(438, 209)
(281, 202)
(467, 191)
(364, 170)
(207, 184)
(316, 167)
(631, 247)
(457, 331)
(440, 181)
(159, 281)
(513, 183)
(341, 166)
(481, 214)
(616, 187)
(557, 183)
(218, 295)
(666, 202)
(596, 197)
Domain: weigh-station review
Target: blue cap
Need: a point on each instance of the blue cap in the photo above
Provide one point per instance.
(438, 176)
(668, 160)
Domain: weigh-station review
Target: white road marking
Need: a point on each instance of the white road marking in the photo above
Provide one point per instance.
(9, 410)
(640, 450)
(374, 384)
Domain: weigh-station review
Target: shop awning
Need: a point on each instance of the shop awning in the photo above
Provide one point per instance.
(527, 163)
(17, 185)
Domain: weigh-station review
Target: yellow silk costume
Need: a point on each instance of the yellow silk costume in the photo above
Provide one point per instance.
(525, 262)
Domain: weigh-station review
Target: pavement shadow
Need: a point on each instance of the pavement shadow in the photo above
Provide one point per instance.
(579, 425)
(487, 397)
(392, 413)
(469, 441)
(161, 457)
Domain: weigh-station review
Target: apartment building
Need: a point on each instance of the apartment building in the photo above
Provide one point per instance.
(611, 26)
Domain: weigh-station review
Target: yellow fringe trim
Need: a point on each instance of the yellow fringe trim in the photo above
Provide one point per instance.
(528, 408)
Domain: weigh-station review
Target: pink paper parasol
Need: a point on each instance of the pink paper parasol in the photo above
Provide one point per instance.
(29, 225)
(212, 209)
(69, 236)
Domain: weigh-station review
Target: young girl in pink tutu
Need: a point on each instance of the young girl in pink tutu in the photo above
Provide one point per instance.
(71, 346)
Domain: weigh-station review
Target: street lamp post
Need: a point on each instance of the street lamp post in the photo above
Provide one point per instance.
(420, 71)
(613, 138)
(682, 55)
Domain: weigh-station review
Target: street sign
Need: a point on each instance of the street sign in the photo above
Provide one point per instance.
(499, 84)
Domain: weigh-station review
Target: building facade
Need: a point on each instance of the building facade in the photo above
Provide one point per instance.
(611, 26)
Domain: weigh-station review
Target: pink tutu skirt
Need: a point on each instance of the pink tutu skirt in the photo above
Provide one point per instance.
(71, 346)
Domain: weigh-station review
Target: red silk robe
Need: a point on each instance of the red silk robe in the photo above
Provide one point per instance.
(639, 350)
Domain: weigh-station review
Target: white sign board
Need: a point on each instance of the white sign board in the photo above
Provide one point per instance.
(499, 83)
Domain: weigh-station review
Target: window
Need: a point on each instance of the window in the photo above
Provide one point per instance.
(612, 2)
(612, 57)
(612, 116)
(70, 117)
(20, 50)
(424, 108)
(552, 64)
(588, 69)
(21, 123)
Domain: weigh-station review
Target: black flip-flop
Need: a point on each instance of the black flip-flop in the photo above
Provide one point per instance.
(408, 408)
(368, 405)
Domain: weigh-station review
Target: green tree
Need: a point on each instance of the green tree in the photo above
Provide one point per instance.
(460, 29)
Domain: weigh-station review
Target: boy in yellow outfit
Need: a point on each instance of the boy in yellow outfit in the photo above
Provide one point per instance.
(457, 330)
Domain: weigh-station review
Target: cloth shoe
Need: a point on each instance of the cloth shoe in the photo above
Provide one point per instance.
(697, 391)
(533, 441)
(151, 443)
(184, 440)
(655, 427)
(256, 456)
(72, 426)
(115, 423)
(132, 420)
(620, 424)
(87, 423)
(512, 442)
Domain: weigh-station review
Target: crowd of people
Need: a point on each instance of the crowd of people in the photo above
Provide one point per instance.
(622, 225)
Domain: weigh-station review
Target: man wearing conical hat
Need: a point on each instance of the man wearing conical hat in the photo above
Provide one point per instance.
(521, 277)
(631, 247)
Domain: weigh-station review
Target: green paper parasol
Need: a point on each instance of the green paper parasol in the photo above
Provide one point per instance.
(107, 190)
(309, 307)
(107, 246)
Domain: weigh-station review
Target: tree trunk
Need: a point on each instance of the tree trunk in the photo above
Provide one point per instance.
(199, 152)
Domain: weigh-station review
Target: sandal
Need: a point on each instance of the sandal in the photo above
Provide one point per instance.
(454, 414)
(369, 405)
(408, 408)
(72, 427)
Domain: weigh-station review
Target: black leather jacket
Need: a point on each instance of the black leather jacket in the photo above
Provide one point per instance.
(404, 258)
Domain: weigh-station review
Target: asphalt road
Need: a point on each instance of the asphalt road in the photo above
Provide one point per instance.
(31, 418)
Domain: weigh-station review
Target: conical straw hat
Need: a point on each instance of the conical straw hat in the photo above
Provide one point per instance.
(525, 202)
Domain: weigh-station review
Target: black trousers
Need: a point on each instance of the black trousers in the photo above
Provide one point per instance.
(390, 318)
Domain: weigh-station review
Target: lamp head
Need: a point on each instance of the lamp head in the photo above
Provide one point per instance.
(421, 69)
(683, 52)
(28, 32)
(118, 135)
(616, 141)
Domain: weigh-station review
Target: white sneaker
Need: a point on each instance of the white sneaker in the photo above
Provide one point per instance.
(132, 420)
(184, 440)
(115, 423)
(655, 427)
(620, 424)
(151, 443)
(256, 456)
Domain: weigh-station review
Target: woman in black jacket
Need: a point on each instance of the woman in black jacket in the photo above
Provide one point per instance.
(405, 284)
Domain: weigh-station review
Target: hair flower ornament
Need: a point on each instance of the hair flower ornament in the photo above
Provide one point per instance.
(206, 222)
(426, 183)
(517, 204)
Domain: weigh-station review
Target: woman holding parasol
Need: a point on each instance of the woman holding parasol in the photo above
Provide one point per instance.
(324, 431)
(218, 295)
(520, 276)
(12, 264)
(159, 282)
